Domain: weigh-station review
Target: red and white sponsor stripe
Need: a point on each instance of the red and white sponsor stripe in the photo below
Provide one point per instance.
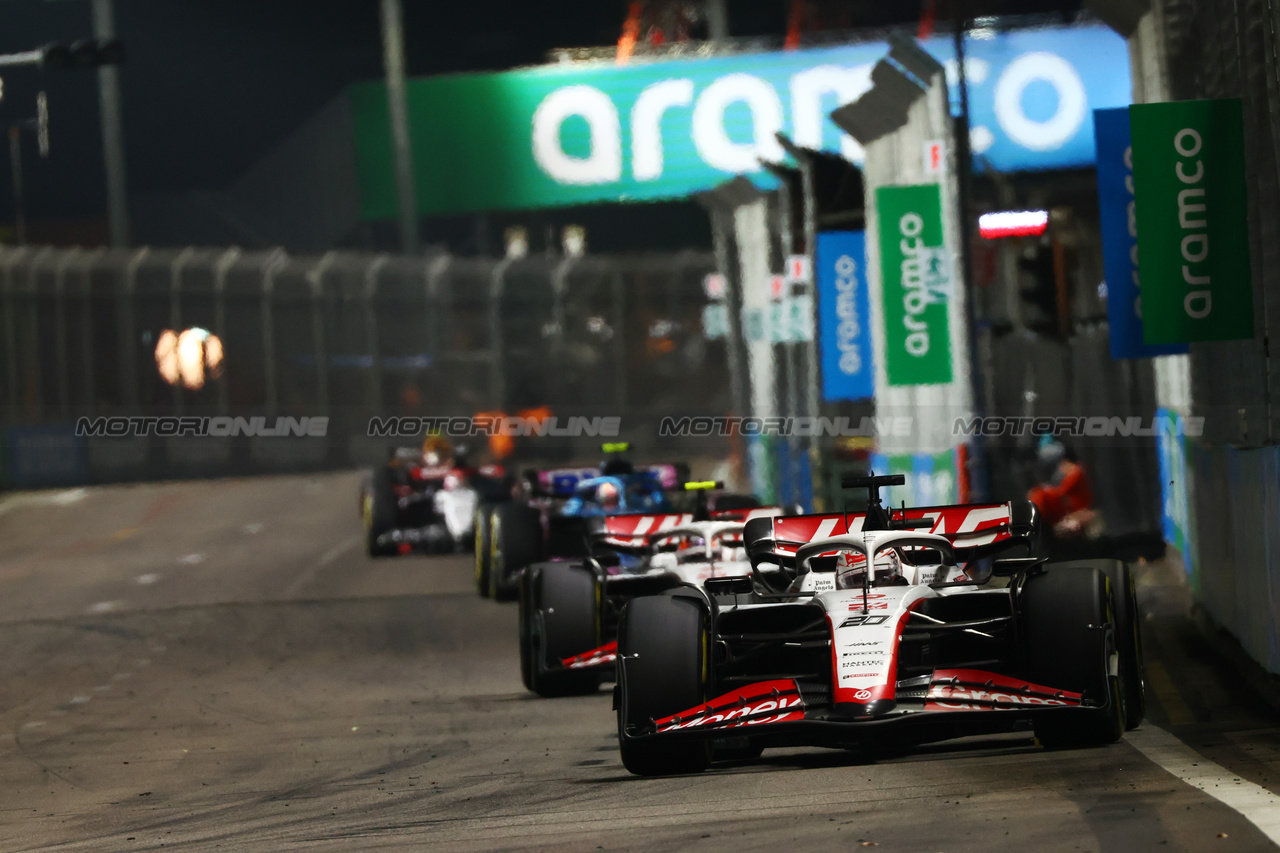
(632, 529)
(975, 690)
(606, 655)
(965, 526)
(888, 677)
(762, 703)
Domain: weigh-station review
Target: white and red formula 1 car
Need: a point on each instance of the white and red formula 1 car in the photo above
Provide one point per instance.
(568, 609)
(879, 627)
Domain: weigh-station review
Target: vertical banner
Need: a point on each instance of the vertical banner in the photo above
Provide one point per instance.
(844, 311)
(1175, 514)
(1192, 203)
(916, 276)
(1120, 237)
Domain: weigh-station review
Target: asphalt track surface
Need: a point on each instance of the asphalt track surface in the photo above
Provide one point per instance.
(217, 665)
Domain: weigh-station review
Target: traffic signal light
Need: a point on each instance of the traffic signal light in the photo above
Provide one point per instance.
(1038, 291)
(84, 53)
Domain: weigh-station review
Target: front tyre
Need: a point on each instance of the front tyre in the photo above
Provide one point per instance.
(1128, 636)
(515, 541)
(482, 545)
(559, 618)
(663, 662)
(1069, 626)
(380, 512)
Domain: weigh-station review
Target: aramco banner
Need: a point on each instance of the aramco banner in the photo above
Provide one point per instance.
(1192, 205)
(1119, 222)
(916, 275)
(844, 310)
(571, 134)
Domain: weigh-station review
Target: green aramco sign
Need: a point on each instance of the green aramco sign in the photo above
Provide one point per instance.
(916, 276)
(1192, 201)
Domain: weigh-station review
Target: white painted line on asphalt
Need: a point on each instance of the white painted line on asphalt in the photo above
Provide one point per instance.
(309, 574)
(68, 497)
(255, 527)
(61, 498)
(34, 724)
(105, 606)
(1258, 805)
(147, 579)
(80, 700)
(192, 559)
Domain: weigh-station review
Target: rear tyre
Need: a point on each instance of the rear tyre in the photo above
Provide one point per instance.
(1069, 627)
(1128, 634)
(515, 541)
(380, 512)
(483, 511)
(663, 646)
(559, 618)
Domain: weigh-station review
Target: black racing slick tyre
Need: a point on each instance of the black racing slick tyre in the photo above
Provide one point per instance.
(1068, 624)
(483, 511)
(559, 618)
(1128, 633)
(515, 541)
(663, 661)
(380, 512)
(525, 627)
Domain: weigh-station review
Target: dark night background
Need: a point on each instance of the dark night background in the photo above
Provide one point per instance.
(211, 85)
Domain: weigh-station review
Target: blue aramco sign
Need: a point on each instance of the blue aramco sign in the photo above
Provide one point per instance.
(844, 311)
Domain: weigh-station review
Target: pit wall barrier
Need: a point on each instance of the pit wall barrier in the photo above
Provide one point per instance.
(1234, 572)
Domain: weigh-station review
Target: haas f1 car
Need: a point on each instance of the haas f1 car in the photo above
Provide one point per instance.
(879, 627)
(569, 609)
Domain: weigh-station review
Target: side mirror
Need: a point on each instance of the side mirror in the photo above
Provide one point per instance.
(1010, 566)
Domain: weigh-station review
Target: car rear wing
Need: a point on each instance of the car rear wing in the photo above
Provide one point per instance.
(974, 530)
(635, 531)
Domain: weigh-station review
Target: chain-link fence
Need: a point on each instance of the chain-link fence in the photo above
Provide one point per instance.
(344, 336)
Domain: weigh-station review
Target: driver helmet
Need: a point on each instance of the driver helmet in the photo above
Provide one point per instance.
(851, 566)
(607, 495)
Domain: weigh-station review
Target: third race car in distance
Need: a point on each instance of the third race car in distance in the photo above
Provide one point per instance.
(877, 628)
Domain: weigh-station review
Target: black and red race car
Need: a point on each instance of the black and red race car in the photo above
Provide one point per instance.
(880, 627)
(569, 608)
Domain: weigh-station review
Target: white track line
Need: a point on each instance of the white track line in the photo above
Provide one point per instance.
(1258, 805)
(61, 498)
(308, 575)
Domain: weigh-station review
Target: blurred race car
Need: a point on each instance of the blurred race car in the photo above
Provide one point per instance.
(549, 516)
(879, 627)
(425, 501)
(569, 609)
